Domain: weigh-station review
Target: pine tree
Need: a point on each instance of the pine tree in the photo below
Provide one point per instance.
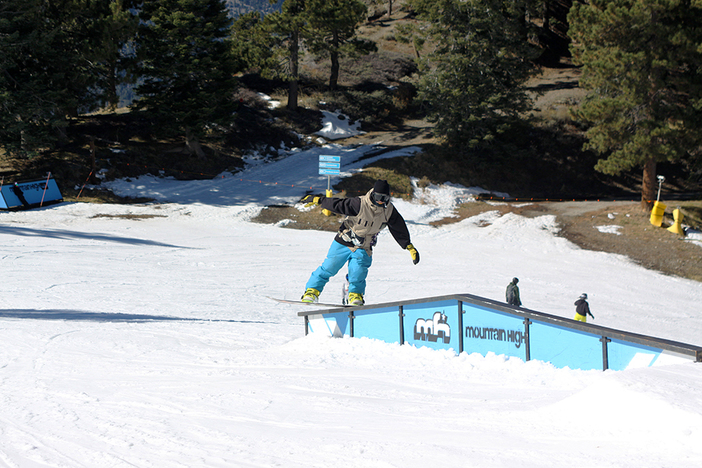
(474, 79)
(116, 30)
(642, 62)
(46, 71)
(333, 24)
(273, 44)
(187, 67)
(254, 45)
(289, 27)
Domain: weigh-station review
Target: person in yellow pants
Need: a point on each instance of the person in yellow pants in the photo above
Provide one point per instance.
(582, 309)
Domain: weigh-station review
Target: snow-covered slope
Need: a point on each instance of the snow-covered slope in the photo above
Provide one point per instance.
(141, 336)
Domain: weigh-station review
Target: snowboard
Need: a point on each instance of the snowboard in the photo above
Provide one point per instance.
(322, 304)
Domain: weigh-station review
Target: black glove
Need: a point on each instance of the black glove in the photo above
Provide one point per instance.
(312, 200)
(414, 253)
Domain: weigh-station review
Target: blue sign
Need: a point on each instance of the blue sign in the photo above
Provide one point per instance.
(29, 194)
(623, 355)
(486, 330)
(327, 158)
(381, 324)
(432, 325)
(329, 165)
(565, 347)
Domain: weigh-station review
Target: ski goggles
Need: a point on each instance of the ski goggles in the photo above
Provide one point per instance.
(380, 198)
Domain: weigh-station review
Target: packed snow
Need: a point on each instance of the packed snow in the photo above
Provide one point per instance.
(141, 336)
(610, 229)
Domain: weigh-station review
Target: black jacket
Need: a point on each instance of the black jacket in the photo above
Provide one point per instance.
(583, 308)
(351, 207)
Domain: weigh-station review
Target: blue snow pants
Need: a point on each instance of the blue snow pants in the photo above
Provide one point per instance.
(338, 255)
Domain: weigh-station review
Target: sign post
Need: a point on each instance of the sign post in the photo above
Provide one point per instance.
(329, 166)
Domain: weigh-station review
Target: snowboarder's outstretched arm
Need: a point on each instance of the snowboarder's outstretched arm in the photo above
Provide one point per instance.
(342, 206)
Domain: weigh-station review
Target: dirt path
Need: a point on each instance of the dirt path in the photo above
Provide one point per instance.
(571, 209)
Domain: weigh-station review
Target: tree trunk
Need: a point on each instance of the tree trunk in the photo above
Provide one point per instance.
(648, 184)
(389, 8)
(111, 91)
(193, 144)
(294, 72)
(546, 27)
(334, 55)
(93, 165)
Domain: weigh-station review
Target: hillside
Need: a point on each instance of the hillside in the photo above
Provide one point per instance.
(110, 146)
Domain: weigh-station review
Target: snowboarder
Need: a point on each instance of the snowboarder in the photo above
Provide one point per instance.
(512, 293)
(582, 309)
(366, 216)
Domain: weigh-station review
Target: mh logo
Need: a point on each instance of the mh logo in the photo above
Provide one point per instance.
(433, 329)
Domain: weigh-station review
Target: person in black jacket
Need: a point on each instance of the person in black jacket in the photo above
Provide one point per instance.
(366, 216)
(512, 293)
(582, 309)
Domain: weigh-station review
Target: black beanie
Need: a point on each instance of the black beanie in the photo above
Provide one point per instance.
(381, 186)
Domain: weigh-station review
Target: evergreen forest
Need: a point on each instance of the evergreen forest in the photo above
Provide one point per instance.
(117, 88)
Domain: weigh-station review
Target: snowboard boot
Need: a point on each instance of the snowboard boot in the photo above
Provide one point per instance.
(311, 295)
(355, 299)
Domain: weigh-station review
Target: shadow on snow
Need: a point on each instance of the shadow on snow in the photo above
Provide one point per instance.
(103, 316)
(63, 234)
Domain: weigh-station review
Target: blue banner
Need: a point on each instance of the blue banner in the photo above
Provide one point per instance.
(486, 330)
(565, 347)
(434, 325)
(623, 355)
(328, 158)
(381, 324)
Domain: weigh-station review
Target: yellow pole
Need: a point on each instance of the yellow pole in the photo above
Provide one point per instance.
(329, 193)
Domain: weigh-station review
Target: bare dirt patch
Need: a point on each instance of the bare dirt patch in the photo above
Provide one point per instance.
(650, 246)
(414, 132)
(129, 216)
(556, 90)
